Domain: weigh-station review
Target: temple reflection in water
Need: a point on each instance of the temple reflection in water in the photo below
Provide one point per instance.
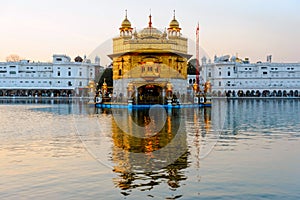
(137, 156)
(143, 159)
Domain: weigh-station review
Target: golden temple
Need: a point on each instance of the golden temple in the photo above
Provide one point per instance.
(149, 66)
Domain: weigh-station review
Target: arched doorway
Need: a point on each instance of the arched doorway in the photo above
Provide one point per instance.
(284, 93)
(291, 93)
(296, 93)
(219, 93)
(24, 93)
(48, 93)
(36, 93)
(228, 94)
(150, 94)
(69, 93)
(233, 93)
(248, 93)
(18, 93)
(43, 93)
(30, 93)
(279, 93)
(56, 93)
(266, 93)
(257, 93)
(240, 93)
(274, 93)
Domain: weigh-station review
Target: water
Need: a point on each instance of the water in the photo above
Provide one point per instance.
(238, 149)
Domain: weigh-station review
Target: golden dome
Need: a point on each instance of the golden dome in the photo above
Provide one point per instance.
(126, 23)
(174, 23)
(150, 32)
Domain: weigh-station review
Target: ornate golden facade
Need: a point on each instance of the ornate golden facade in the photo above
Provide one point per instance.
(149, 57)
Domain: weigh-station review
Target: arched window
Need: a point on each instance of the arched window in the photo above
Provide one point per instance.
(120, 72)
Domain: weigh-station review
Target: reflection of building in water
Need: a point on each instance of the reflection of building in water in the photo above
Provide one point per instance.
(139, 159)
(262, 116)
(135, 157)
(201, 128)
(172, 173)
(148, 64)
(134, 151)
(204, 128)
(207, 118)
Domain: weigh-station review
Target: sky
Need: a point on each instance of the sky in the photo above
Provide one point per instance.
(35, 29)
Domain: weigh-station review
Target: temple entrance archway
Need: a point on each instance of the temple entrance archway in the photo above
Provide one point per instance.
(150, 94)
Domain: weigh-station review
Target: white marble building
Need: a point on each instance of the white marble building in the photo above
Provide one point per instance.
(236, 77)
(61, 77)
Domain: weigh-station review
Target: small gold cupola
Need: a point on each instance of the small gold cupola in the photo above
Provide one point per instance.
(174, 29)
(125, 29)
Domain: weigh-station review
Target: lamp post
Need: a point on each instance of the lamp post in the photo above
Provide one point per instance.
(104, 88)
(129, 94)
(207, 91)
(91, 91)
(169, 94)
(195, 89)
(207, 87)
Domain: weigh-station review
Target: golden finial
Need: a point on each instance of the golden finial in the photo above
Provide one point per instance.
(150, 22)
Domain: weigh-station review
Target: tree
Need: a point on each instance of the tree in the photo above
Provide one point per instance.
(191, 67)
(108, 76)
(13, 58)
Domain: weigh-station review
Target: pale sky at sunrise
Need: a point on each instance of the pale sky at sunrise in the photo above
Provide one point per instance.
(36, 29)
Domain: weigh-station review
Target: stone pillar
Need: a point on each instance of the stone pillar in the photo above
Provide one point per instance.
(169, 94)
(136, 95)
(163, 95)
(129, 94)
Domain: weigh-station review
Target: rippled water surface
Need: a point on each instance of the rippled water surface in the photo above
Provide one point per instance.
(238, 149)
